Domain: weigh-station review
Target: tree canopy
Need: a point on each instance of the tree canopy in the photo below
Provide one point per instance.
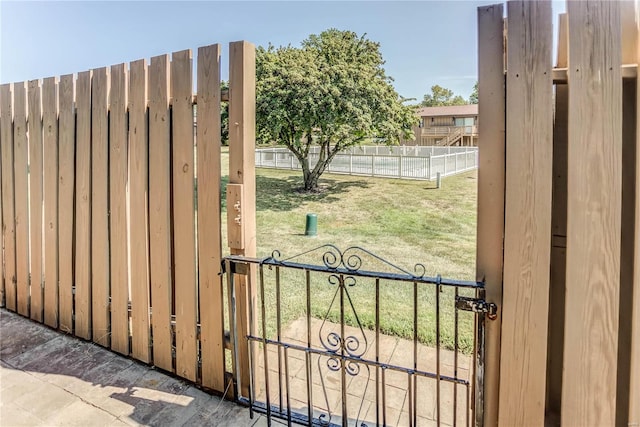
(441, 96)
(332, 91)
(473, 98)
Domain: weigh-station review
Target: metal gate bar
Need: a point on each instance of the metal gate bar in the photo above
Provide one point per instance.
(347, 354)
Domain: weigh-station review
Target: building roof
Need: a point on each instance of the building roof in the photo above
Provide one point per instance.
(451, 110)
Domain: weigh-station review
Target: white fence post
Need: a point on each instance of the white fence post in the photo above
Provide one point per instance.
(351, 163)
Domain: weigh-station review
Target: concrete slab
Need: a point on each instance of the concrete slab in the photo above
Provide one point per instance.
(48, 378)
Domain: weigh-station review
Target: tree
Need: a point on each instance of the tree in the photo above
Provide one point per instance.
(473, 98)
(332, 92)
(441, 96)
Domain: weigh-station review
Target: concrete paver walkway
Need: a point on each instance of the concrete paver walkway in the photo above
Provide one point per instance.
(50, 379)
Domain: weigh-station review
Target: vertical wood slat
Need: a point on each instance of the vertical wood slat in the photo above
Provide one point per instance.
(242, 72)
(34, 123)
(183, 214)
(100, 206)
(209, 221)
(83, 207)
(50, 178)
(160, 210)
(491, 171)
(8, 206)
(138, 210)
(66, 131)
(559, 235)
(634, 386)
(594, 215)
(20, 159)
(527, 214)
(118, 210)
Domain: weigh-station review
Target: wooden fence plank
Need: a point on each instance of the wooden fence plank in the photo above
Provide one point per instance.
(559, 236)
(100, 206)
(160, 210)
(83, 207)
(118, 210)
(8, 206)
(138, 210)
(66, 132)
(34, 123)
(242, 72)
(209, 242)
(594, 215)
(527, 214)
(634, 386)
(50, 178)
(20, 159)
(183, 214)
(491, 170)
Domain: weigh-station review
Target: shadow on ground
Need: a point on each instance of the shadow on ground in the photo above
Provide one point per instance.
(52, 379)
(284, 194)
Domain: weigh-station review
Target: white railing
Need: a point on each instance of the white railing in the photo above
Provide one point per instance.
(406, 162)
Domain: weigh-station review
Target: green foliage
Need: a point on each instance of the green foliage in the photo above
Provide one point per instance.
(473, 98)
(333, 92)
(224, 115)
(441, 96)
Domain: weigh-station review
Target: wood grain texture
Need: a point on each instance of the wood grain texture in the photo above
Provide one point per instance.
(8, 201)
(20, 163)
(627, 252)
(118, 210)
(66, 172)
(83, 207)
(184, 215)
(593, 221)
(138, 236)
(634, 385)
(100, 206)
(160, 210)
(559, 234)
(491, 175)
(242, 107)
(209, 221)
(527, 214)
(34, 123)
(50, 178)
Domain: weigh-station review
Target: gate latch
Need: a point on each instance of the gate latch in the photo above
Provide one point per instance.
(477, 306)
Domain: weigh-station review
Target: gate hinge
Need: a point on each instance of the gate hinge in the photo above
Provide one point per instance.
(477, 306)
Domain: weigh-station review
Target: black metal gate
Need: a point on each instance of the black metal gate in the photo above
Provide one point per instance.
(356, 340)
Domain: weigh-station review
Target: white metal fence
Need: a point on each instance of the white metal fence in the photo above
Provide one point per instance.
(407, 162)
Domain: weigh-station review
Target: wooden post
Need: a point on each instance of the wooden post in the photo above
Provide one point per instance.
(209, 219)
(186, 303)
(8, 201)
(83, 207)
(20, 160)
(50, 177)
(66, 174)
(634, 386)
(242, 95)
(160, 210)
(100, 207)
(138, 236)
(527, 238)
(558, 238)
(593, 215)
(35, 198)
(119, 268)
(491, 170)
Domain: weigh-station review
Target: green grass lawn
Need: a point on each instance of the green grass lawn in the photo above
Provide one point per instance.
(404, 222)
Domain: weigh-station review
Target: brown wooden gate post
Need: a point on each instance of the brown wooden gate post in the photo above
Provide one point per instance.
(491, 171)
(241, 218)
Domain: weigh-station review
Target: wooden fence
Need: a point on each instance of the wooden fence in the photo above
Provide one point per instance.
(111, 213)
(559, 219)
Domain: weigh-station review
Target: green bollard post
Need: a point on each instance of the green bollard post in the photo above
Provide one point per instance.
(311, 227)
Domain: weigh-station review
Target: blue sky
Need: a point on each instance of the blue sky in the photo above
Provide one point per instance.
(423, 42)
